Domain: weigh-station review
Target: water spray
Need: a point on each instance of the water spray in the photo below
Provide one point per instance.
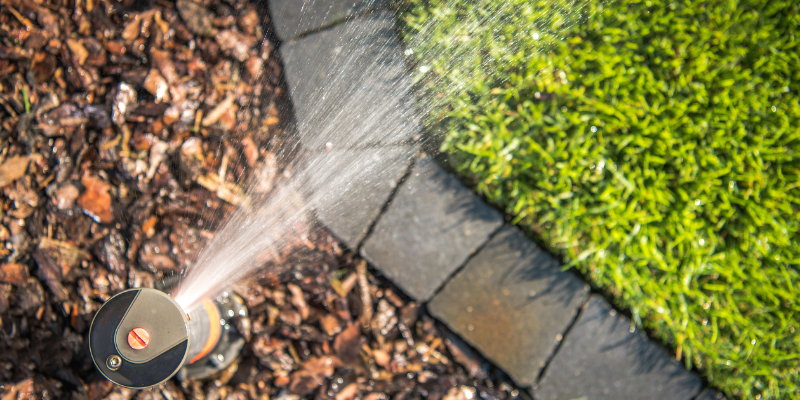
(142, 337)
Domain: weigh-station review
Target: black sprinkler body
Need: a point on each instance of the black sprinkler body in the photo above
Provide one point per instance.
(142, 337)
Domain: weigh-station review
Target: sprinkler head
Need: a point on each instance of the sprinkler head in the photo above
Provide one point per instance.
(142, 337)
(117, 340)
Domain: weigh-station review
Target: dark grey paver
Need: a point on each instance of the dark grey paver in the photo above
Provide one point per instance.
(601, 359)
(710, 394)
(432, 226)
(349, 85)
(352, 187)
(512, 302)
(296, 17)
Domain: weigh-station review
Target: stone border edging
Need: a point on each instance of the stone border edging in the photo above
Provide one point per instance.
(443, 245)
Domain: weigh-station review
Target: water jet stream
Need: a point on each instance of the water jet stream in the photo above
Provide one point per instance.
(358, 127)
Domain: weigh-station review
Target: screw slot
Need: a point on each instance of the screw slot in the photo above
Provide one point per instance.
(114, 362)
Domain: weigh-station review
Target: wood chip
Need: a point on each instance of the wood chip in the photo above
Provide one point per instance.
(14, 273)
(13, 169)
(95, 200)
(217, 112)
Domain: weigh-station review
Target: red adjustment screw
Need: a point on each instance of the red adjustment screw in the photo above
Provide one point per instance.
(138, 338)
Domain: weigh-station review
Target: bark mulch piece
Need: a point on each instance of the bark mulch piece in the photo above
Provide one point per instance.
(125, 133)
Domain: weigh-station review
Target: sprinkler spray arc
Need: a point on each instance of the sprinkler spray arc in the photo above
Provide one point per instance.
(141, 337)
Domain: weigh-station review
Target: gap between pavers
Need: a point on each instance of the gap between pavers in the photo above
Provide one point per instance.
(293, 18)
(434, 225)
(348, 210)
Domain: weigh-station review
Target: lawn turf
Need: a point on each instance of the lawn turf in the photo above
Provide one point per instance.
(655, 145)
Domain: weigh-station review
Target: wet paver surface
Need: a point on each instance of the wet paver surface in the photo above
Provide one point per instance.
(298, 17)
(512, 302)
(351, 78)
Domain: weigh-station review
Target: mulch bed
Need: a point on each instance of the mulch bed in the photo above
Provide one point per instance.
(124, 133)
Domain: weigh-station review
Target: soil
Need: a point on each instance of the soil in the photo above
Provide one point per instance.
(125, 129)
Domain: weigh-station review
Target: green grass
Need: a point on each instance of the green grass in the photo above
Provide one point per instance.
(653, 144)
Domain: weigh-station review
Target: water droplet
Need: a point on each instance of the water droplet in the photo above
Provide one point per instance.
(470, 327)
(753, 342)
(594, 129)
(409, 52)
(697, 202)
(469, 308)
(701, 241)
(559, 337)
(535, 36)
(423, 69)
(774, 109)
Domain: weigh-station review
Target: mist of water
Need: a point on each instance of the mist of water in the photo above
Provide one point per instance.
(357, 133)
